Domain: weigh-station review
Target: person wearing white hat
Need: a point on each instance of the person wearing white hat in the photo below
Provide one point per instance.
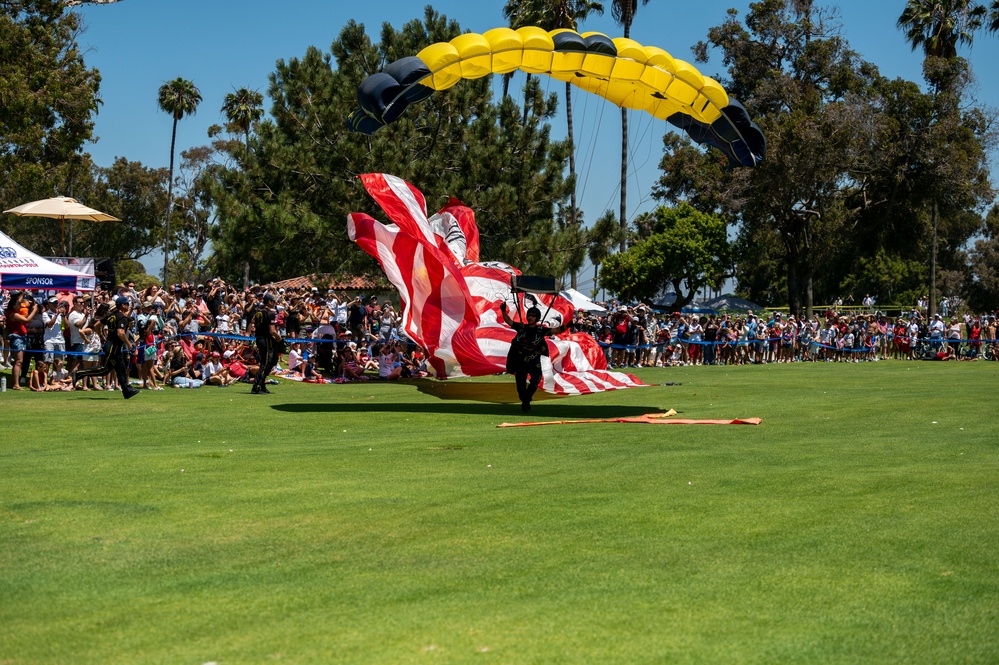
(937, 329)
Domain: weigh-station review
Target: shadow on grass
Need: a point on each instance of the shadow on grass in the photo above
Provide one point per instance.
(492, 398)
(561, 411)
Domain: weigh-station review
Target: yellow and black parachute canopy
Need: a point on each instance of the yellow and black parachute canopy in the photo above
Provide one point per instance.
(645, 78)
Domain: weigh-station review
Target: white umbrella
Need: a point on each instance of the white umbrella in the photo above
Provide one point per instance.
(61, 208)
(580, 301)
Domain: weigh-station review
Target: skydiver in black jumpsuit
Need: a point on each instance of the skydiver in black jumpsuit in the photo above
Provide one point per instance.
(526, 349)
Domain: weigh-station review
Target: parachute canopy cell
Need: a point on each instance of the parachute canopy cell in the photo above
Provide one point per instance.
(644, 78)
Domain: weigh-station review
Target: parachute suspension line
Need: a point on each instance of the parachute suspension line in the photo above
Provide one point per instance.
(583, 147)
(593, 152)
(519, 83)
(642, 138)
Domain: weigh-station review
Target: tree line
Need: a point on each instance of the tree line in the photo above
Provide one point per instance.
(870, 185)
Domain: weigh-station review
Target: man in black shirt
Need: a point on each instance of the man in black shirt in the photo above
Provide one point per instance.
(117, 349)
(357, 315)
(269, 343)
(526, 349)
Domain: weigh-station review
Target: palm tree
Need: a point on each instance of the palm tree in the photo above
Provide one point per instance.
(553, 15)
(242, 108)
(179, 98)
(604, 234)
(938, 27)
(623, 12)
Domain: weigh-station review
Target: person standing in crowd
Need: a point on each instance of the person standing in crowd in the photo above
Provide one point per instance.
(216, 296)
(92, 344)
(53, 337)
(293, 316)
(117, 349)
(526, 349)
(937, 330)
(695, 335)
(357, 315)
(249, 309)
(268, 343)
(331, 304)
(148, 327)
(76, 322)
(955, 333)
(130, 293)
(340, 313)
(387, 325)
(710, 338)
(21, 309)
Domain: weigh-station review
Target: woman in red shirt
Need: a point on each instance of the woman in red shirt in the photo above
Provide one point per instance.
(20, 310)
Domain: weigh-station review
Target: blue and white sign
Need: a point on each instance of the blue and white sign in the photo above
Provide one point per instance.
(22, 269)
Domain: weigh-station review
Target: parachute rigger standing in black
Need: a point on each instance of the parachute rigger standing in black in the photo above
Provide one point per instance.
(526, 349)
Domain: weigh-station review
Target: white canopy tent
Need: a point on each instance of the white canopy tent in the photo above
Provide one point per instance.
(23, 269)
(580, 300)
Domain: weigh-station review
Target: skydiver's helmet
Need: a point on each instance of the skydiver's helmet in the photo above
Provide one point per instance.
(535, 312)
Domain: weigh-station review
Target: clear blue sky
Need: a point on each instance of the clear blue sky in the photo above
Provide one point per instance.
(222, 45)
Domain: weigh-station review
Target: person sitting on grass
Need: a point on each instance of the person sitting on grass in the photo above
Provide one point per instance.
(368, 362)
(416, 360)
(349, 367)
(198, 367)
(59, 375)
(217, 374)
(296, 361)
(946, 353)
(39, 381)
(176, 364)
(243, 369)
(300, 363)
(188, 375)
(389, 361)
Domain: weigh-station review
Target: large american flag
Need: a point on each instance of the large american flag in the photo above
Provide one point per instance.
(450, 300)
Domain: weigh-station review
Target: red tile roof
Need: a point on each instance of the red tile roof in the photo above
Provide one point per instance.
(330, 281)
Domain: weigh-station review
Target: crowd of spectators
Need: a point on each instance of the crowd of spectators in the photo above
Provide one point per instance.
(638, 336)
(190, 335)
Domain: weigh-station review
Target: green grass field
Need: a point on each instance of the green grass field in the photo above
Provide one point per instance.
(378, 523)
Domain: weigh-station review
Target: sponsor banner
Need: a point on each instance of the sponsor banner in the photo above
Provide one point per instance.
(43, 283)
(74, 263)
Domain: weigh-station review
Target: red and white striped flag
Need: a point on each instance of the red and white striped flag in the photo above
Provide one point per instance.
(450, 301)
